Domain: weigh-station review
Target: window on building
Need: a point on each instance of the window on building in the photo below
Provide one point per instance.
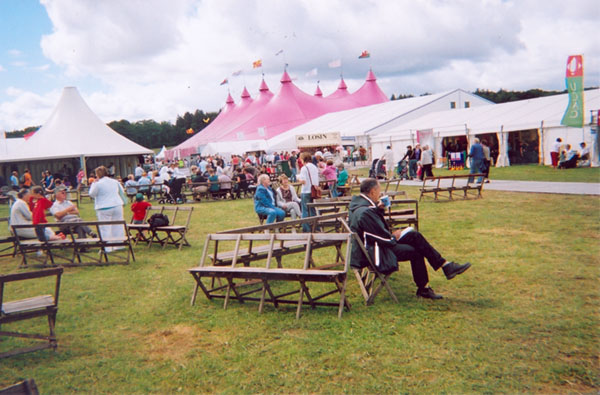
(452, 104)
(467, 104)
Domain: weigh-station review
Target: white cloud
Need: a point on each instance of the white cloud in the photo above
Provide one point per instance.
(156, 59)
(2, 68)
(15, 52)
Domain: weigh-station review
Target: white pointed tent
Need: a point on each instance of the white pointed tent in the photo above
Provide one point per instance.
(74, 133)
(161, 153)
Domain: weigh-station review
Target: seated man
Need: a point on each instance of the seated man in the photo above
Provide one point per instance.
(571, 159)
(367, 221)
(65, 211)
(584, 156)
(264, 200)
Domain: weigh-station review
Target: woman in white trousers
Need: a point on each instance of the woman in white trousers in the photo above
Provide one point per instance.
(108, 204)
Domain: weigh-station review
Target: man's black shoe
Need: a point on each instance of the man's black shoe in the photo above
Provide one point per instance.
(428, 293)
(452, 269)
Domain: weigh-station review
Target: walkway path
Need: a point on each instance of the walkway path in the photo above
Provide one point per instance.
(571, 188)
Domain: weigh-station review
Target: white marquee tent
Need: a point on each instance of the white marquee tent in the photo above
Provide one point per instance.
(72, 134)
(542, 114)
(357, 124)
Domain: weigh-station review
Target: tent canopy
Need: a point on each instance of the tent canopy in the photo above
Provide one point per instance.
(71, 131)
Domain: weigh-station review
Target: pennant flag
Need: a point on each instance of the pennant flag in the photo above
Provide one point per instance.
(365, 54)
(28, 135)
(312, 72)
(236, 73)
(279, 52)
(206, 120)
(574, 78)
(190, 131)
(256, 64)
(225, 81)
(335, 63)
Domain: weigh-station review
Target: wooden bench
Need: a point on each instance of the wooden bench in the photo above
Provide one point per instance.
(401, 213)
(222, 193)
(24, 309)
(464, 183)
(174, 233)
(25, 387)
(8, 246)
(74, 251)
(391, 187)
(262, 278)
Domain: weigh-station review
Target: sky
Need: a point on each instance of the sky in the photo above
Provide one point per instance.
(156, 59)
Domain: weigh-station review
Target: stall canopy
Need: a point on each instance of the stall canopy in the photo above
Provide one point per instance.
(72, 131)
(270, 115)
(161, 153)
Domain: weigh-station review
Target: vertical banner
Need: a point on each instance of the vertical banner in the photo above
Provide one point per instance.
(574, 114)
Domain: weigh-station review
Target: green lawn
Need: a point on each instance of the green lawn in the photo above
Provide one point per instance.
(524, 318)
(527, 173)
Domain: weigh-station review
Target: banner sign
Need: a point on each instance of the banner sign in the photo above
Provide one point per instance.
(574, 114)
(318, 140)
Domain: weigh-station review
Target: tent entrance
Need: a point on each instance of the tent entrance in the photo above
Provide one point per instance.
(523, 146)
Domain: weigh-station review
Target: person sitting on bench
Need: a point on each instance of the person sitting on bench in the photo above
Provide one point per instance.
(264, 201)
(367, 221)
(65, 211)
(584, 156)
(572, 157)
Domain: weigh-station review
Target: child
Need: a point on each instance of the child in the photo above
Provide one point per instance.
(139, 209)
(39, 205)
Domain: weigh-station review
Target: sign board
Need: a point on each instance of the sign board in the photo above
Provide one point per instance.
(318, 139)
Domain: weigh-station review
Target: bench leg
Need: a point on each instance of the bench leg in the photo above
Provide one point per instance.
(299, 307)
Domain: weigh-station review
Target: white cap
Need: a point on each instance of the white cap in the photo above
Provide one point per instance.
(318, 153)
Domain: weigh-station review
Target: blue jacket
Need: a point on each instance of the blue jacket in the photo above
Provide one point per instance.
(477, 152)
(263, 199)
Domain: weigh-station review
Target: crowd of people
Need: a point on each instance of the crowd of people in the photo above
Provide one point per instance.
(566, 157)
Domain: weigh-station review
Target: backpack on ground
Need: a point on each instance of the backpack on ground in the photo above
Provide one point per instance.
(157, 220)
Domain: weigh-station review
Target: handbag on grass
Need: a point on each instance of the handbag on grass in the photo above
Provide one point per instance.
(315, 191)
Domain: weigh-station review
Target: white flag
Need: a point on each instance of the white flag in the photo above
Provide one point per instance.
(335, 63)
(312, 72)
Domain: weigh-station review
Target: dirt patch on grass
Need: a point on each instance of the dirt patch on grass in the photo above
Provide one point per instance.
(182, 341)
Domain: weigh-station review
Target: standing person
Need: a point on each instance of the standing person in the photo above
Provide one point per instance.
(264, 200)
(330, 174)
(363, 154)
(487, 161)
(366, 218)
(477, 158)
(108, 202)
(388, 155)
(139, 170)
(555, 152)
(309, 176)
(354, 156)
(27, 179)
(14, 180)
(427, 161)
(111, 170)
(80, 176)
(412, 162)
(293, 166)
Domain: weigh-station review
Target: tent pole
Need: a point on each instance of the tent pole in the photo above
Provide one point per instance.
(85, 174)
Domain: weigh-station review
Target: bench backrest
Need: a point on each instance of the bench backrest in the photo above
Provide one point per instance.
(307, 240)
(7, 278)
(328, 220)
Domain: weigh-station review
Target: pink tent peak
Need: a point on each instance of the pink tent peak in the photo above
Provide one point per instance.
(318, 92)
(369, 92)
(342, 91)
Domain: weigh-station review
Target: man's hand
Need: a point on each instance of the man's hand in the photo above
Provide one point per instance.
(397, 233)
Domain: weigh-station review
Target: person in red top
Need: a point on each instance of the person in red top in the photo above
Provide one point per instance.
(39, 204)
(139, 208)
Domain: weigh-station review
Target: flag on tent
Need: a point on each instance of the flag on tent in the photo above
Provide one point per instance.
(574, 78)
(28, 135)
(206, 120)
(256, 64)
(335, 63)
(225, 81)
(364, 55)
(236, 73)
(312, 72)
(190, 131)
(279, 52)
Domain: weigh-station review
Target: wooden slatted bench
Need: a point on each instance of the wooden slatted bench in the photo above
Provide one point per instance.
(141, 232)
(265, 275)
(74, 251)
(8, 246)
(451, 184)
(174, 233)
(24, 309)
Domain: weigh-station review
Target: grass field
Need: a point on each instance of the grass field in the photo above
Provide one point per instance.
(524, 318)
(528, 173)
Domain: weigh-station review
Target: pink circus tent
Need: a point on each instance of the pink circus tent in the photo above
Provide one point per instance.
(269, 115)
